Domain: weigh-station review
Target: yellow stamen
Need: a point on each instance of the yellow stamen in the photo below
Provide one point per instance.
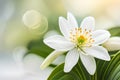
(81, 37)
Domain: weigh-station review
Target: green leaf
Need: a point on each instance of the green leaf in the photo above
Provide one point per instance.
(106, 70)
(58, 74)
(39, 48)
(115, 31)
(77, 73)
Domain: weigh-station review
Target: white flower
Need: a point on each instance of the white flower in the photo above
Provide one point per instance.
(80, 42)
(112, 44)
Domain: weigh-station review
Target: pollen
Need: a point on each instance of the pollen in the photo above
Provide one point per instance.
(81, 37)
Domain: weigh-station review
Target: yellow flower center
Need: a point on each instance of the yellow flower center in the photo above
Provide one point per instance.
(81, 37)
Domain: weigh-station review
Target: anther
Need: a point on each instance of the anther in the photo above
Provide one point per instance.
(89, 30)
(85, 29)
(93, 40)
(90, 34)
(86, 32)
(90, 38)
(79, 28)
(76, 29)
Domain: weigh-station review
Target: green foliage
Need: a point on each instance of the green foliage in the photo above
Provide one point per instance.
(115, 31)
(39, 48)
(106, 70)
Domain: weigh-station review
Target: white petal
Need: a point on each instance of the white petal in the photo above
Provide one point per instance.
(112, 44)
(59, 43)
(64, 26)
(88, 23)
(89, 63)
(98, 52)
(71, 60)
(50, 58)
(67, 25)
(59, 60)
(100, 36)
(72, 21)
(50, 33)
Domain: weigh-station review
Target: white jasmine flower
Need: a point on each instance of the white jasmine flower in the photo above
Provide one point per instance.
(80, 42)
